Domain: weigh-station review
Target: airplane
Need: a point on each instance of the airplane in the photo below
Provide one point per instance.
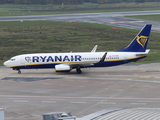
(65, 62)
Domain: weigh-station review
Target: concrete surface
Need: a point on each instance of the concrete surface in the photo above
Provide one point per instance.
(96, 89)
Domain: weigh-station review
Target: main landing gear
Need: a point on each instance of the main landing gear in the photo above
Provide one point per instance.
(19, 72)
(78, 70)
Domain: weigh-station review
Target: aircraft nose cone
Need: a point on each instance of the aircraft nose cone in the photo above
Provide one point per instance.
(6, 64)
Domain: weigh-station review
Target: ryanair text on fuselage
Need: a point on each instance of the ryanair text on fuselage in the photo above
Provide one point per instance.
(53, 58)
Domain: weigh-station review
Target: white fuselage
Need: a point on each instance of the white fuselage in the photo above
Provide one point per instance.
(86, 59)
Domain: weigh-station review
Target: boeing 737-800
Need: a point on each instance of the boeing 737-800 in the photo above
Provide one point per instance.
(65, 62)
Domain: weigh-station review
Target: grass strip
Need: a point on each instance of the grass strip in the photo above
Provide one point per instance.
(21, 10)
(147, 17)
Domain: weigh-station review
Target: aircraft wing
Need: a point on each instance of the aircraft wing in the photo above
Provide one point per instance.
(69, 66)
(74, 65)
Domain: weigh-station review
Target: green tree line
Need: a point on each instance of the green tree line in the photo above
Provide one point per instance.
(55, 2)
(71, 2)
(119, 1)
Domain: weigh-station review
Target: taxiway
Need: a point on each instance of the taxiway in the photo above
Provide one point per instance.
(34, 92)
(109, 18)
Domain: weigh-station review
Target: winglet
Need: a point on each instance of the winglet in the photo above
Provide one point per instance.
(103, 58)
(95, 48)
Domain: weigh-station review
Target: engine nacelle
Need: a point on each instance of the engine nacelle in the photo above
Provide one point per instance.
(62, 68)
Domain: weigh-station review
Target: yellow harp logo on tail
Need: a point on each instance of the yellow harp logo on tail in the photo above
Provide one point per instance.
(142, 40)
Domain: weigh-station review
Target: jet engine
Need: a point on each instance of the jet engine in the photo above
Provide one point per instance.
(62, 68)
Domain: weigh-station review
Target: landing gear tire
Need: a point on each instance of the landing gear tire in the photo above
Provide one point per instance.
(19, 72)
(78, 70)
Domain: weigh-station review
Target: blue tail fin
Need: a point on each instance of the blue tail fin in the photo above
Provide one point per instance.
(139, 43)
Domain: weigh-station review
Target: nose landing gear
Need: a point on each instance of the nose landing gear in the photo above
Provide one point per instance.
(19, 71)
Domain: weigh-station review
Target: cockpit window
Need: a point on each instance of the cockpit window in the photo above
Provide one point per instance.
(12, 59)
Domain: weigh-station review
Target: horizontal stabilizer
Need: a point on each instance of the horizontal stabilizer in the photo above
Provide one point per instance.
(143, 53)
